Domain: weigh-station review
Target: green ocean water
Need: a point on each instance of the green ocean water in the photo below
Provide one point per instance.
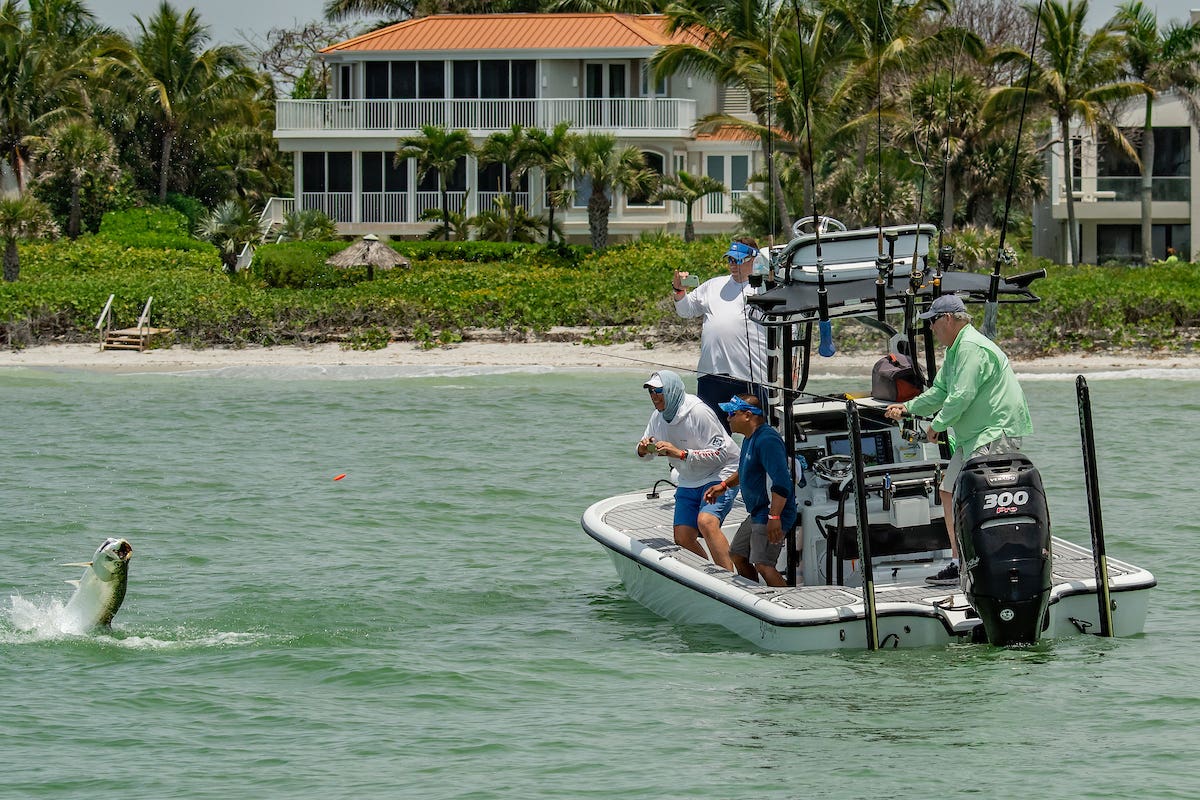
(436, 624)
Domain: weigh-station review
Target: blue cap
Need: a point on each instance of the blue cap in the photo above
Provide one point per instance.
(740, 251)
(738, 404)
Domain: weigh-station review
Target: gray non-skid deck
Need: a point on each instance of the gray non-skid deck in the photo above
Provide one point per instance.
(650, 521)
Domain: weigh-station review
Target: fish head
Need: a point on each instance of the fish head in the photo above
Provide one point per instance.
(111, 557)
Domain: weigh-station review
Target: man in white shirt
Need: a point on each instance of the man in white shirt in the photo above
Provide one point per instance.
(701, 454)
(733, 345)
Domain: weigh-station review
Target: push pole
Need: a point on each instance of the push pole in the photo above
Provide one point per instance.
(1099, 554)
(864, 529)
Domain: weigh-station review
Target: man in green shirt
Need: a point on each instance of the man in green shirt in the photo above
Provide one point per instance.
(976, 393)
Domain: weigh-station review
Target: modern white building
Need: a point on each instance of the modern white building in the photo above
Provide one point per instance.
(1108, 210)
(484, 73)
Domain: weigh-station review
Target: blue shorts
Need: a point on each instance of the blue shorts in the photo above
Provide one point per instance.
(689, 504)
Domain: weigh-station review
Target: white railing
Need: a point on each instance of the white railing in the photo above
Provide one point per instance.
(385, 207)
(723, 203)
(487, 200)
(274, 211)
(428, 200)
(631, 113)
(336, 205)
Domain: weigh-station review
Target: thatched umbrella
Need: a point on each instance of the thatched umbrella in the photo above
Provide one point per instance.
(369, 252)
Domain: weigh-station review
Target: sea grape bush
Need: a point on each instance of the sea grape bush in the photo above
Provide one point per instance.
(291, 297)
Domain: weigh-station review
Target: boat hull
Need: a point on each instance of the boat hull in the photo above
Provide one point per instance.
(679, 586)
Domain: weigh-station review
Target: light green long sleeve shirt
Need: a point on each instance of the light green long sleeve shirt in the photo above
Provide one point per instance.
(976, 393)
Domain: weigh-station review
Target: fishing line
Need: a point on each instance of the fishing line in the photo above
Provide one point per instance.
(991, 306)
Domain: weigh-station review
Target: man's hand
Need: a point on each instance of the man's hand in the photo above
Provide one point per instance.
(895, 411)
(775, 531)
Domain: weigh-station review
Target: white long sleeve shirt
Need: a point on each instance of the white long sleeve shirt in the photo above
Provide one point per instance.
(712, 454)
(731, 343)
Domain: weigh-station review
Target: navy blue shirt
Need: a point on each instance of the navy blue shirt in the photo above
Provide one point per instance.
(764, 455)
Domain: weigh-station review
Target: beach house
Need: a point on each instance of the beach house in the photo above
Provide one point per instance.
(485, 73)
(1107, 189)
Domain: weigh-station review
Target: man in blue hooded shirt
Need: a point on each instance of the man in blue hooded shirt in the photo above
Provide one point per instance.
(767, 489)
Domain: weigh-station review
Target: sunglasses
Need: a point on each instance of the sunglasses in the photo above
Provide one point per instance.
(933, 320)
(652, 390)
(735, 261)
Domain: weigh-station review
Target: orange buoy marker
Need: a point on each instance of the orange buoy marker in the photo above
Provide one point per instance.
(339, 477)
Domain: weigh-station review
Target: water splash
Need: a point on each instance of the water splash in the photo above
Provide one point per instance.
(45, 620)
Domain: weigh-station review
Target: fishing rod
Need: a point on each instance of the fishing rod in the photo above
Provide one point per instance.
(991, 308)
(826, 347)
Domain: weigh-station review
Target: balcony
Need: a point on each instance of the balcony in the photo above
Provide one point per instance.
(1129, 189)
(645, 116)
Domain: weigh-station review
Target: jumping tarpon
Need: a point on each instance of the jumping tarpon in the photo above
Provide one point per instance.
(101, 589)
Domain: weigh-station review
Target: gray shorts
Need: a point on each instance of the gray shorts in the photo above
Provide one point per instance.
(751, 542)
(996, 447)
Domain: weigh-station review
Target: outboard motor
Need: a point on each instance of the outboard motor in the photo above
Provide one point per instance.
(1003, 528)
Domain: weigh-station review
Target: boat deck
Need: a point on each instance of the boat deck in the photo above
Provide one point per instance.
(649, 521)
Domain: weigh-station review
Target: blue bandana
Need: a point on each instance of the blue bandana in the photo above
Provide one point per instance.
(738, 404)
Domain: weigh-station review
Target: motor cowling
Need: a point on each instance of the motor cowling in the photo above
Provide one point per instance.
(1003, 528)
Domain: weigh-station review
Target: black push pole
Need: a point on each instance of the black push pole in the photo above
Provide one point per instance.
(864, 528)
(1099, 555)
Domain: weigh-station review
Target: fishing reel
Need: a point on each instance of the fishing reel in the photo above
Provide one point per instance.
(914, 429)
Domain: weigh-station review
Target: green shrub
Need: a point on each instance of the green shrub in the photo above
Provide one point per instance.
(301, 265)
(149, 226)
(189, 206)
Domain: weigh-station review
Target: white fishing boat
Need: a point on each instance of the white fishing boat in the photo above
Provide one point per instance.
(871, 520)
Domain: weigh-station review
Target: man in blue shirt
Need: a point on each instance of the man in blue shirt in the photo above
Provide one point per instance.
(767, 489)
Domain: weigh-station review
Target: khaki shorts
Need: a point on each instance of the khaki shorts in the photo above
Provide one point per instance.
(996, 447)
(751, 543)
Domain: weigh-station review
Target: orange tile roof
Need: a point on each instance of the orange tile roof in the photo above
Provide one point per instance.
(519, 32)
(727, 133)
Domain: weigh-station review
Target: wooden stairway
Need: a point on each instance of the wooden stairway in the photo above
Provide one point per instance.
(127, 338)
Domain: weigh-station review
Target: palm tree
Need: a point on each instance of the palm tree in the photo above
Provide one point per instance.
(549, 149)
(1075, 76)
(75, 150)
(1160, 60)
(505, 222)
(23, 217)
(308, 225)
(686, 188)
(439, 150)
(515, 150)
(736, 51)
(609, 168)
(230, 226)
(41, 86)
(191, 89)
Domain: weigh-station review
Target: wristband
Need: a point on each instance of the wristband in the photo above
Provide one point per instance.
(772, 516)
(683, 455)
(724, 486)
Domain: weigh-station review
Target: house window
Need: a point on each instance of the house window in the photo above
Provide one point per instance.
(375, 80)
(456, 181)
(380, 173)
(466, 79)
(657, 89)
(327, 172)
(346, 81)
(524, 79)
(654, 162)
(494, 178)
(1123, 243)
(495, 79)
(733, 171)
(404, 80)
(431, 79)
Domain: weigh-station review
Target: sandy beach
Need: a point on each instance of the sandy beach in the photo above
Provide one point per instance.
(632, 356)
